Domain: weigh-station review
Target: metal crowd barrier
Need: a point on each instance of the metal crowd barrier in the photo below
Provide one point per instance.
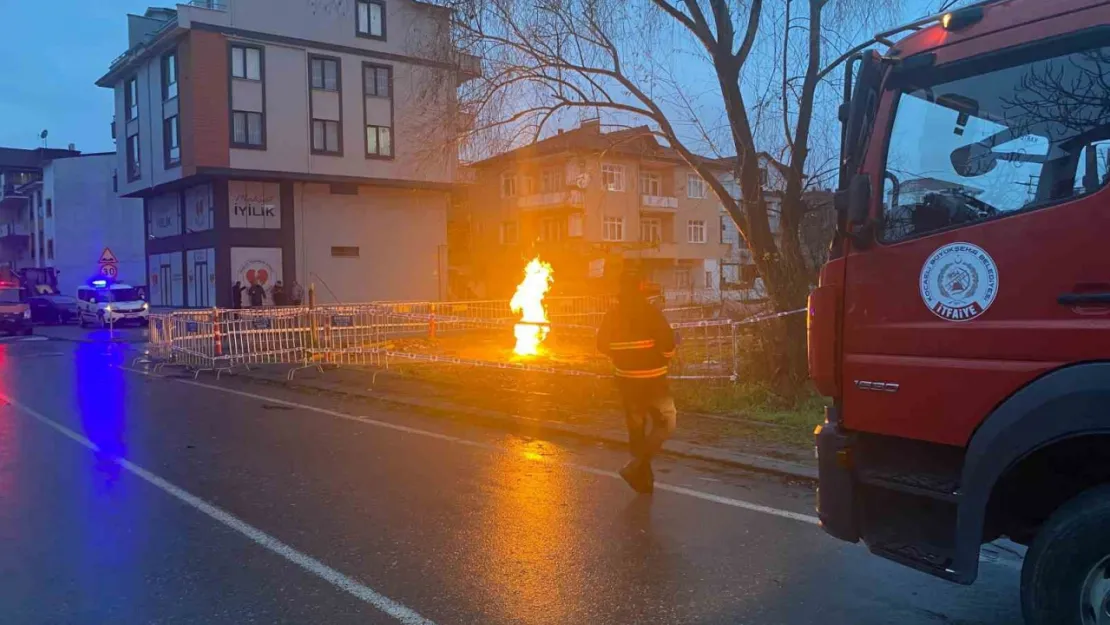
(477, 334)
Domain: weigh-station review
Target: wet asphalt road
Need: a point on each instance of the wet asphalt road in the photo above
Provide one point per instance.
(227, 502)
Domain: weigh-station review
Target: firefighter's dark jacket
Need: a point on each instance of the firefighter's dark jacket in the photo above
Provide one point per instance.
(637, 338)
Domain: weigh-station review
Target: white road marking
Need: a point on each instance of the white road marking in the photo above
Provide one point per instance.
(681, 490)
(22, 339)
(398, 611)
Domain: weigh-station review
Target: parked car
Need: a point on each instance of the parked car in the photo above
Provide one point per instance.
(52, 308)
(105, 303)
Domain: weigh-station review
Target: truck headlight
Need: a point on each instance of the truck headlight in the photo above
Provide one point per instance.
(108, 308)
(27, 314)
(146, 306)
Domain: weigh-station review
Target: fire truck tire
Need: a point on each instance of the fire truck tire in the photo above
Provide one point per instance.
(1065, 579)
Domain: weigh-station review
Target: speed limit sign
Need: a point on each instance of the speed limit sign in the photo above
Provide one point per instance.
(110, 271)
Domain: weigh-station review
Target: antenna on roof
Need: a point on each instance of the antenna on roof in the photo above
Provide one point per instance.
(42, 135)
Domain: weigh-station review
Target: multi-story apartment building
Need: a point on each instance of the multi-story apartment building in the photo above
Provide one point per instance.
(290, 139)
(738, 277)
(22, 231)
(590, 203)
(59, 208)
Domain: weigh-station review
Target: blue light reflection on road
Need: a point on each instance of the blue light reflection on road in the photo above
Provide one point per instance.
(100, 388)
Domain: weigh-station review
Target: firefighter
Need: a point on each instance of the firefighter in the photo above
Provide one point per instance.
(638, 339)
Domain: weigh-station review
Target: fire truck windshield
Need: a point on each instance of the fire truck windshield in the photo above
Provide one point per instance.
(964, 148)
(9, 295)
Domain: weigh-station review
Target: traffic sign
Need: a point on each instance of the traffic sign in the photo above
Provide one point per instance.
(108, 258)
(109, 270)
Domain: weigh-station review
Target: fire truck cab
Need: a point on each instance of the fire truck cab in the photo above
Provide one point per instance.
(962, 325)
(15, 313)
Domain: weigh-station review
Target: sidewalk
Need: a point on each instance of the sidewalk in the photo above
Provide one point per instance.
(729, 440)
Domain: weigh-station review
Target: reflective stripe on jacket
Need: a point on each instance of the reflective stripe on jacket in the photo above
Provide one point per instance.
(638, 339)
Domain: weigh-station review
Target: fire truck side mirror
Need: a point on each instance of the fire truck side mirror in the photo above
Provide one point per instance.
(859, 200)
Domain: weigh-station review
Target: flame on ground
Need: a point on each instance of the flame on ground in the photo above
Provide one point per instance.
(528, 300)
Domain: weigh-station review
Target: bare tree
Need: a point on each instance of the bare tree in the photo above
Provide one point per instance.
(741, 78)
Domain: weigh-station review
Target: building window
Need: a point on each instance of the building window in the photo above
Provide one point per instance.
(131, 98)
(612, 177)
(50, 249)
(651, 230)
(575, 225)
(49, 208)
(370, 19)
(134, 166)
(325, 136)
(651, 184)
(549, 181)
(508, 185)
(246, 62)
(708, 279)
(695, 231)
(379, 141)
(612, 229)
(695, 187)
(552, 229)
(529, 185)
(343, 251)
(169, 76)
(246, 129)
(171, 139)
(510, 234)
(377, 81)
(682, 278)
(763, 176)
(324, 73)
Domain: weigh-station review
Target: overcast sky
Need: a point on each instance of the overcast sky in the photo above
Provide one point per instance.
(51, 65)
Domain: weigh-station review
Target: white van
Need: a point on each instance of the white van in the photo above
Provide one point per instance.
(103, 303)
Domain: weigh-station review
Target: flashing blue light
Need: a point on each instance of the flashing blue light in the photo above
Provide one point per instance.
(100, 283)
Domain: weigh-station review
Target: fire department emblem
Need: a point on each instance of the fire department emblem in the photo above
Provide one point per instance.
(959, 282)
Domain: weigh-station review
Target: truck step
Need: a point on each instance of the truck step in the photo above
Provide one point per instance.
(939, 487)
(927, 558)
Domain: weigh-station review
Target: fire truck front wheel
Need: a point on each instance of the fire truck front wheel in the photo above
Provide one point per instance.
(1065, 579)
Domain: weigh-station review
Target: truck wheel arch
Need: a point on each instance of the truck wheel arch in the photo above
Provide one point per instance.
(1065, 403)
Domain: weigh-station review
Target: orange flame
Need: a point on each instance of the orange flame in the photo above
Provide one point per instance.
(528, 300)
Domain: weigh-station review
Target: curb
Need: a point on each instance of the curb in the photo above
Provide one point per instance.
(679, 449)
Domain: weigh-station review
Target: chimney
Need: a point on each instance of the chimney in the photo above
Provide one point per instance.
(72, 147)
(592, 124)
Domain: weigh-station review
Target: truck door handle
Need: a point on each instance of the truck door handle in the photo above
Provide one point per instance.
(1084, 299)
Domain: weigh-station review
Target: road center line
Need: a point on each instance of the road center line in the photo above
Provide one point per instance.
(681, 490)
(398, 611)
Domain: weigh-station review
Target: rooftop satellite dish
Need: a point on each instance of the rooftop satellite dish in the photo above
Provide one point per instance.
(42, 135)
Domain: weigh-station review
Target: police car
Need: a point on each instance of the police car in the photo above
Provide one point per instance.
(104, 303)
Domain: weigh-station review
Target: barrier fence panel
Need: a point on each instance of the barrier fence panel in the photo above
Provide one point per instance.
(263, 336)
(195, 344)
(705, 350)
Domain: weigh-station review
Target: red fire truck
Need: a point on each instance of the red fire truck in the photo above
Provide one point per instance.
(962, 325)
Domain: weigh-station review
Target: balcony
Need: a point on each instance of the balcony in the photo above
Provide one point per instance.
(558, 199)
(470, 66)
(678, 251)
(658, 202)
(15, 235)
(12, 194)
(652, 250)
